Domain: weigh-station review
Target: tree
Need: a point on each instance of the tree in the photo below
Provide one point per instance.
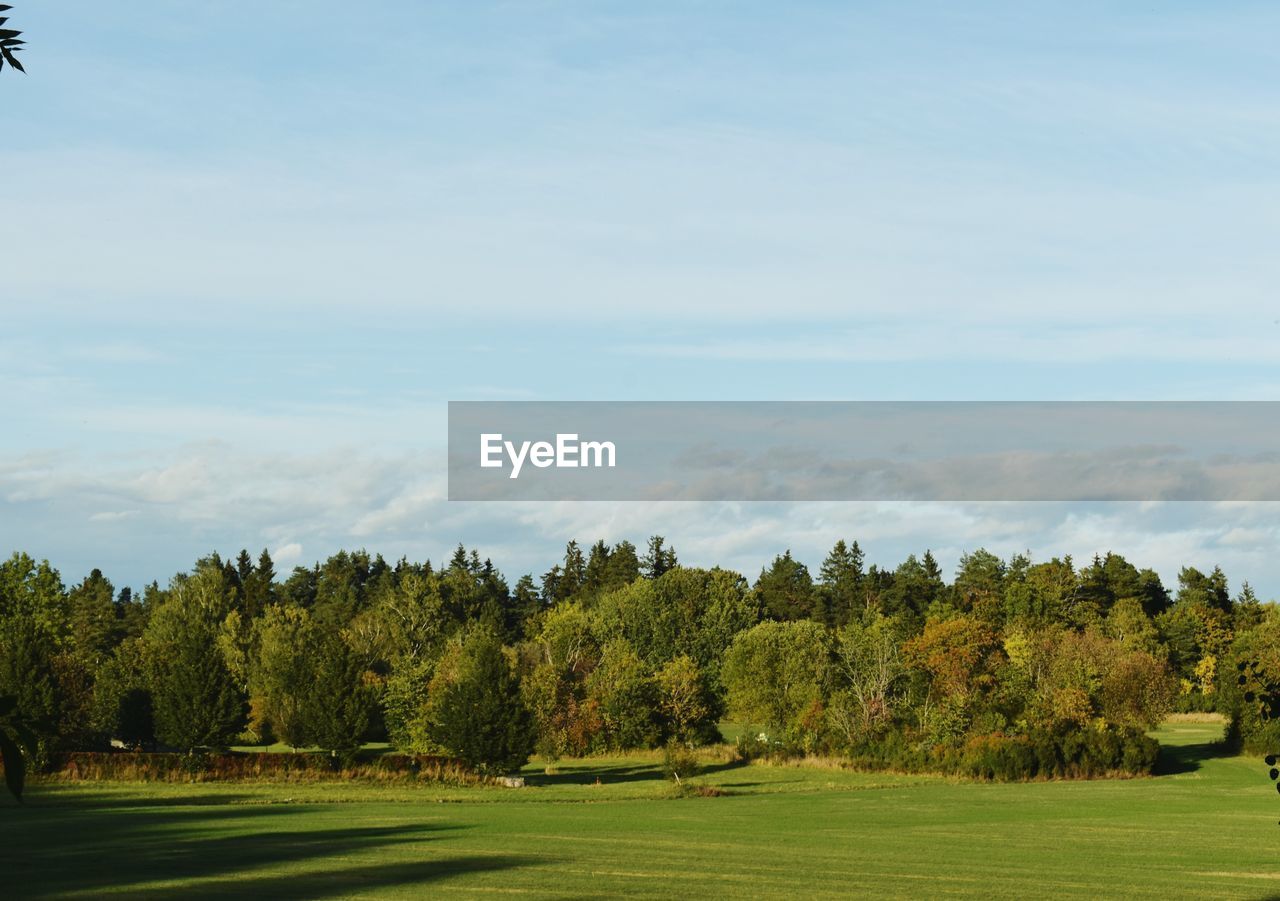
(280, 679)
(624, 566)
(979, 585)
(573, 575)
(95, 626)
(34, 592)
(1041, 593)
(658, 559)
(259, 586)
(336, 701)
(777, 674)
(686, 611)
(956, 654)
(684, 700)
(27, 675)
(122, 705)
(1194, 587)
(197, 702)
(1091, 680)
(10, 42)
(1127, 623)
(915, 587)
(840, 583)
(626, 695)
(868, 668)
(478, 715)
(567, 651)
(785, 589)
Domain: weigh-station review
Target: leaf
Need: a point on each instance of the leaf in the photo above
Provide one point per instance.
(15, 765)
(13, 60)
(7, 703)
(4, 7)
(9, 33)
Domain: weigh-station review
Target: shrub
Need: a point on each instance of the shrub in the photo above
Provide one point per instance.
(679, 762)
(270, 767)
(998, 756)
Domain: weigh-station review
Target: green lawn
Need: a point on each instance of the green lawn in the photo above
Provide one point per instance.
(1205, 828)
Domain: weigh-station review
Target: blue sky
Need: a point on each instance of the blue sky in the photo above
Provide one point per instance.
(249, 253)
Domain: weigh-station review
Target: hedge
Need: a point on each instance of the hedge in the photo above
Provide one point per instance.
(92, 766)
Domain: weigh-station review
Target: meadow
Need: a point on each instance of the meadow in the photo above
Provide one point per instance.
(1205, 826)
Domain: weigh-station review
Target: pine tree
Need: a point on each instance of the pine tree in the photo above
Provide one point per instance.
(624, 566)
(596, 578)
(785, 589)
(196, 703)
(260, 589)
(658, 559)
(337, 704)
(525, 603)
(574, 574)
(479, 715)
(840, 581)
(95, 625)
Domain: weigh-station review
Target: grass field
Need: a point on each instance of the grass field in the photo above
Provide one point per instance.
(1206, 827)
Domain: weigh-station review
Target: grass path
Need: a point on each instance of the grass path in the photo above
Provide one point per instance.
(1206, 828)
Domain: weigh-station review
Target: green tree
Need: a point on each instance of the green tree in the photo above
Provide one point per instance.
(122, 705)
(840, 583)
(259, 586)
(281, 678)
(777, 674)
(684, 701)
(479, 716)
(336, 701)
(785, 590)
(196, 700)
(28, 676)
(33, 591)
(658, 559)
(914, 589)
(979, 586)
(625, 694)
(95, 625)
(869, 672)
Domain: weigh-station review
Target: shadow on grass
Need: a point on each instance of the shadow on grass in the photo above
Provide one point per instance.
(1175, 759)
(208, 846)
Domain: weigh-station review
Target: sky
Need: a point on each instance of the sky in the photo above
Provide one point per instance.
(249, 253)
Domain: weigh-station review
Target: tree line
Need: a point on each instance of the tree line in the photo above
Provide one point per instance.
(1012, 668)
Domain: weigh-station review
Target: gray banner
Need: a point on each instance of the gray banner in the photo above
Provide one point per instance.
(823, 451)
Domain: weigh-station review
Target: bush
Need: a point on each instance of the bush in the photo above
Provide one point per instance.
(679, 762)
(92, 766)
(1074, 753)
(998, 756)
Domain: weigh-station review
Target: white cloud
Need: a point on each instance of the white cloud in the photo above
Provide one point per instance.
(287, 554)
(185, 501)
(112, 515)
